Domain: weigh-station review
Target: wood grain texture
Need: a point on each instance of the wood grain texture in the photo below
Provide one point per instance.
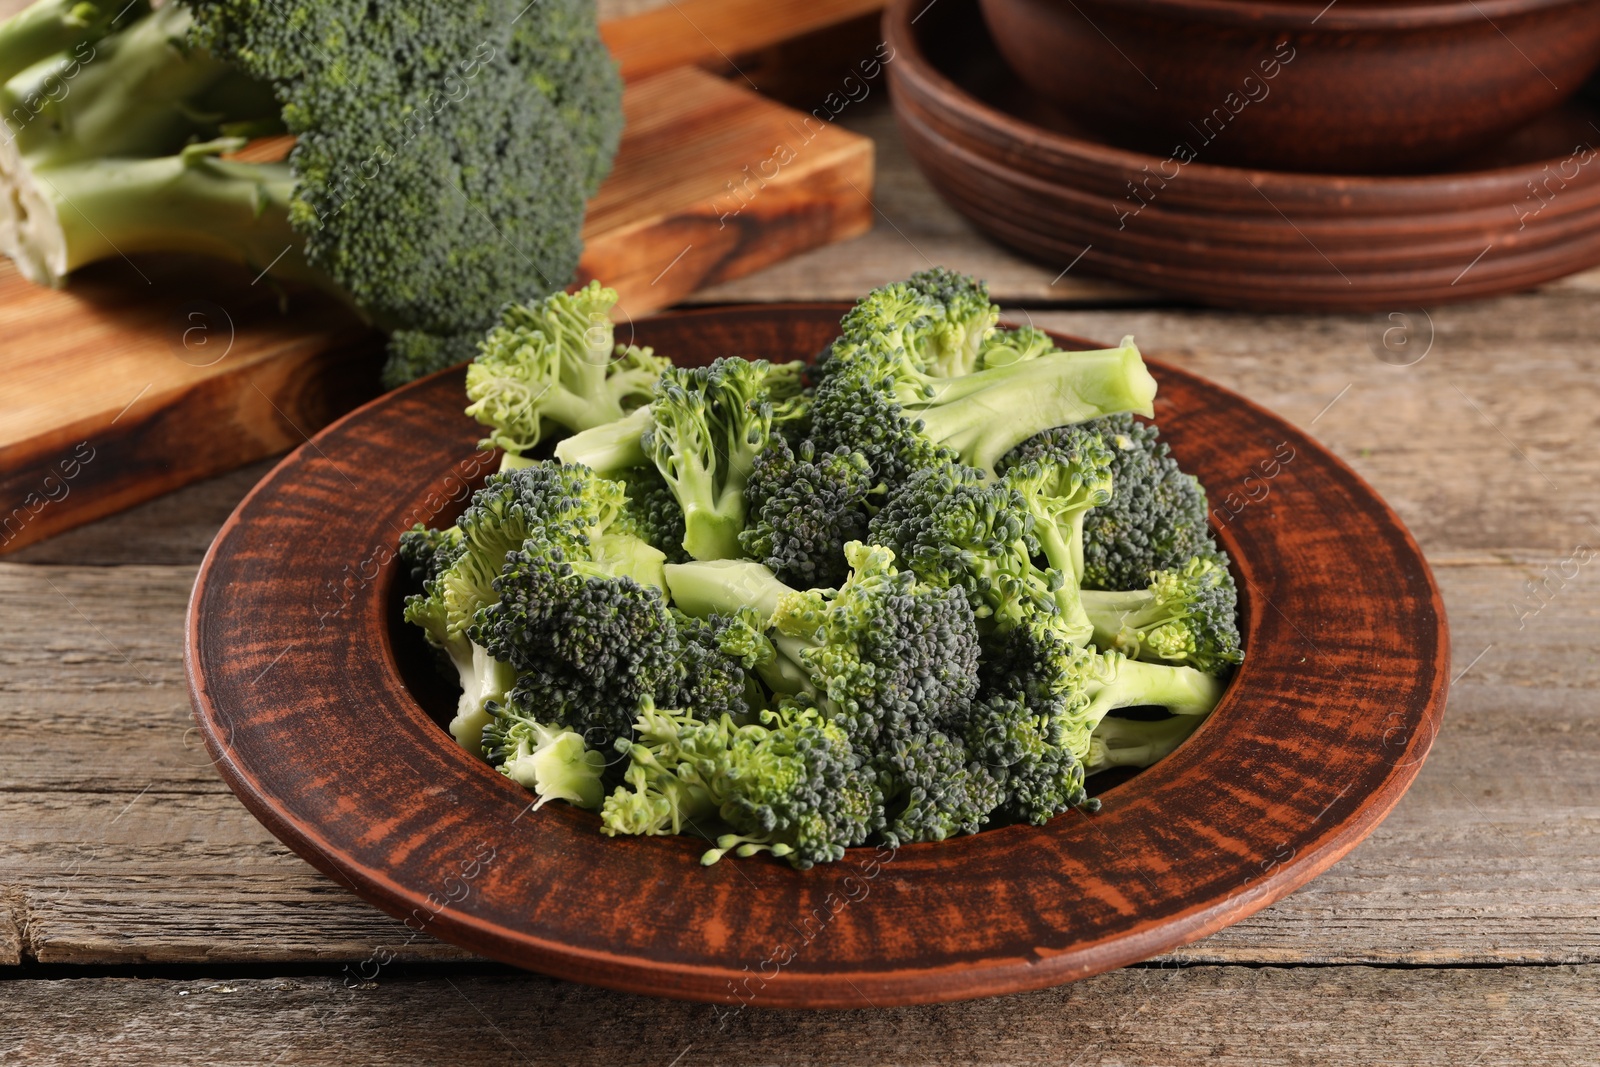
(1322, 729)
(714, 32)
(1230, 1016)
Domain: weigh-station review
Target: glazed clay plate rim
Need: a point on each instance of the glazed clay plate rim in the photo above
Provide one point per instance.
(1161, 248)
(262, 740)
(924, 78)
(1262, 231)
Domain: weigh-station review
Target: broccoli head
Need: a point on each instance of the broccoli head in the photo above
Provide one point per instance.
(1187, 615)
(440, 166)
(789, 785)
(877, 401)
(1156, 518)
(556, 364)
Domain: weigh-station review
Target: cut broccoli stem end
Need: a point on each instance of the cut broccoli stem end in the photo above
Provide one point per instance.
(987, 414)
(57, 220)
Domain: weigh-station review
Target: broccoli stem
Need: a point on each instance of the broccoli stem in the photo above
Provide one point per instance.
(1116, 614)
(1181, 690)
(611, 448)
(44, 29)
(1137, 743)
(987, 414)
(723, 586)
(191, 202)
(1064, 553)
(139, 93)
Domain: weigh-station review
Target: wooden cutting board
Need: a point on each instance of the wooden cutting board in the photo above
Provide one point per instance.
(142, 376)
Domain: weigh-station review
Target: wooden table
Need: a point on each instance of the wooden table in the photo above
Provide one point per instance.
(145, 917)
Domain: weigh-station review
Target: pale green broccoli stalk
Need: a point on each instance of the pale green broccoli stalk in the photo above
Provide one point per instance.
(878, 402)
(610, 449)
(1093, 684)
(1188, 615)
(1058, 492)
(1119, 742)
(556, 364)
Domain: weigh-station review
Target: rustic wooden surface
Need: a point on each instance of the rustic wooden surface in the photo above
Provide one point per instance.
(1465, 930)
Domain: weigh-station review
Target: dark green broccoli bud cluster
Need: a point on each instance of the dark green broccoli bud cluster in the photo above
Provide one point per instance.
(587, 646)
(1156, 518)
(941, 790)
(804, 508)
(957, 529)
(715, 671)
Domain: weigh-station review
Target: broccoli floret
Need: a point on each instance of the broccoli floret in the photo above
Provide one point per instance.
(1189, 615)
(803, 509)
(587, 645)
(958, 530)
(439, 171)
(939, 788)
(716, 661)
(885, 655)
(789, 785)
(1156, 518)
(707, 425)
(878, 402)
(528, 521)
(1119, 742)
(551, 760)
(939, 319)
(1058, 492)
(556, 362)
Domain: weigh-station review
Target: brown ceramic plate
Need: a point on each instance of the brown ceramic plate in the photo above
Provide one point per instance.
(320, 711)
(1516, 215)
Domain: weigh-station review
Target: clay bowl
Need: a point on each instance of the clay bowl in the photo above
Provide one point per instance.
(1355, 86)
(1527, 211)
(317, 705)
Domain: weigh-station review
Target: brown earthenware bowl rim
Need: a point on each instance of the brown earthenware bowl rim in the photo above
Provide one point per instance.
(911, 65)
(1314, 15)
(232, 600)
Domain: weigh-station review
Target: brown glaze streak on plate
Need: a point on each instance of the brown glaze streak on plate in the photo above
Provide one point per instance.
(296, 689)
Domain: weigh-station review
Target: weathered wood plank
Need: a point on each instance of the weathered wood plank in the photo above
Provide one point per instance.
(1350, 1016)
